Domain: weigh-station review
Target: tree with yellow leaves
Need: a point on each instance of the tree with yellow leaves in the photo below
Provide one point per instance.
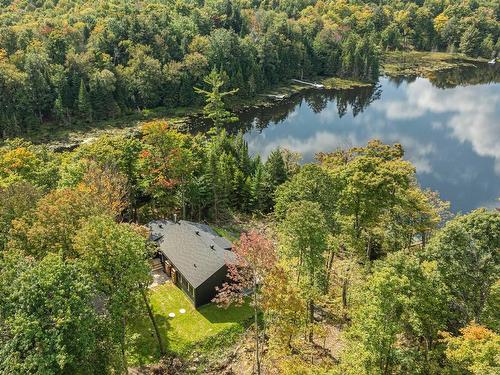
(476, 351)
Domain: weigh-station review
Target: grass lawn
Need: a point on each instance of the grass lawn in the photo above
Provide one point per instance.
(229, 233)
(207, 328)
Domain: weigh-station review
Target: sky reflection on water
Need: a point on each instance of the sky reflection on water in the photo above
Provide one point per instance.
(451, 135)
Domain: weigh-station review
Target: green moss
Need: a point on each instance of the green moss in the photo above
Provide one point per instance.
(343, 84)
(205, 329)
(413, 63)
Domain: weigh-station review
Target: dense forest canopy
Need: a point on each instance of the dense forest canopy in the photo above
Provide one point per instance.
(352, 243)
(349, 244)
(93, 60)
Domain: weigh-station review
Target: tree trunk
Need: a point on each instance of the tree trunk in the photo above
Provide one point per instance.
(214, 192)
(183, 198)
(345, 285)
(153, 321)
(298, 268)
(329, 270)
(122, 344)
(369, 248)
(427, 350)
(256, 319)
(386, 367)
(289, 341)
(311, 320)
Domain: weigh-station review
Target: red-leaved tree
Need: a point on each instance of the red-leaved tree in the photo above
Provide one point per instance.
(254, 257)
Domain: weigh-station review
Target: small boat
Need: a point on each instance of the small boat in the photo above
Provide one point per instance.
(492, 61)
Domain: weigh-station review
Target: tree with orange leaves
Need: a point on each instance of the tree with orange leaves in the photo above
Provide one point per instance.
(475, 351)
(50, 227)
(166, 165)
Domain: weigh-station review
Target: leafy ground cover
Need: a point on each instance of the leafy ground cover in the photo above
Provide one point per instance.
(203, 329)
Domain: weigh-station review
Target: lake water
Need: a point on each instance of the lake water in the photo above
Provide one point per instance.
(449, 127)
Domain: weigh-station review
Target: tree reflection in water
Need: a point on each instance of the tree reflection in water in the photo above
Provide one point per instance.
(357, 100)
(447, 124)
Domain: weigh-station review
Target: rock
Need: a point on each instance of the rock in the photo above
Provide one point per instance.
(176, 363)
(64, 147)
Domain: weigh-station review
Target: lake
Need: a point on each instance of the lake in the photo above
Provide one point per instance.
(449, 126)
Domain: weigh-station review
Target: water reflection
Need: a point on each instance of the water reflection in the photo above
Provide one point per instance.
(466, 76)
(452, 135)
(316, 101)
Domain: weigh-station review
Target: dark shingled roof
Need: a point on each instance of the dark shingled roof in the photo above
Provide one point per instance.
(194, 249)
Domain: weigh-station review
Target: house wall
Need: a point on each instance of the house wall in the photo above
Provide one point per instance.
(206, 291)
(182, 283)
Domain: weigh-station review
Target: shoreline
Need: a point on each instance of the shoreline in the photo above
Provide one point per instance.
(393, 64)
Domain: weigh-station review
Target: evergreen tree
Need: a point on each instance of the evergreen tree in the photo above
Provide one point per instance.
(241, 195)
(470, 42)
(241, 151)
(275, 175)
(59, 109)
(226, 168)
(215, 109)
(276, 169)
(84, 104)
(258, 189)
(213, 180)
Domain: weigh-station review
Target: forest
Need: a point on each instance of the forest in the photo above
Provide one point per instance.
(73, 62)
(350, 241)
(343, 265)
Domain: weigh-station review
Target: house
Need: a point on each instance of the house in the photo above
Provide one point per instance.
(193, 255)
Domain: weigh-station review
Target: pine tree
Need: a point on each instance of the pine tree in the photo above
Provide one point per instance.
(212, 179)
(275, 166)
(241, 149)
(84, 105)
(59, 108)
(226, 167)
(241, 195)
(275, 175)
(214, 108)
(258, 190)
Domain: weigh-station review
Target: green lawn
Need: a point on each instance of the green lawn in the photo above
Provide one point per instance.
(203, 329)
(229, 233)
